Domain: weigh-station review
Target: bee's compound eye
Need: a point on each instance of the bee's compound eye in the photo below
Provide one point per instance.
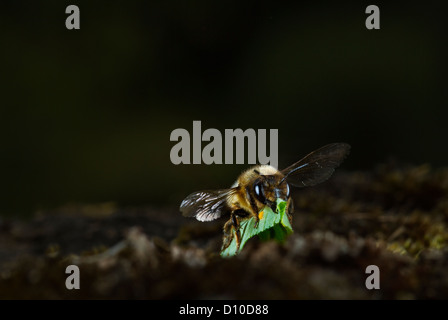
(259, 192)
(287, 190)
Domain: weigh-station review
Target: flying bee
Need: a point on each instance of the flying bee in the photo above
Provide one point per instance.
(261, 186)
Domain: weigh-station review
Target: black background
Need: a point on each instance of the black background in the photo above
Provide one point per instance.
(86, 115)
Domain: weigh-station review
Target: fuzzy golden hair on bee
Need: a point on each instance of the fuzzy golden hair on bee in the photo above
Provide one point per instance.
(261, 186)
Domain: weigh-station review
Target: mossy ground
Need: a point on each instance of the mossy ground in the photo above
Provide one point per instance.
(395, 218)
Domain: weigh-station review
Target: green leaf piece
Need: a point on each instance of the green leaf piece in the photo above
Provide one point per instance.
(272, 225)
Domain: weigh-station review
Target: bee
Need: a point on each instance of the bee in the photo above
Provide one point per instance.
(261, 186)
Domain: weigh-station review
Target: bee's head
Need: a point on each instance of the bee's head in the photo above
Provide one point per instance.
(269, 188)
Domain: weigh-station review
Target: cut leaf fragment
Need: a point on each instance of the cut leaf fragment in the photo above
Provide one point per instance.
(272, 225)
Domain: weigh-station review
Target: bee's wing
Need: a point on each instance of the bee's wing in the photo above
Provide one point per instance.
(206, 205)
(317, 166)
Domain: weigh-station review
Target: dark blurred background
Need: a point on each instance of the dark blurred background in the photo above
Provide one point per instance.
(86, 115)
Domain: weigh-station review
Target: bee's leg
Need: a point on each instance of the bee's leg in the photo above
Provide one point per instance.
(257, 220)
(273, 207)
(227, 239)
(236, 225)
(253, 206)
(229, 226)
(290, 210)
